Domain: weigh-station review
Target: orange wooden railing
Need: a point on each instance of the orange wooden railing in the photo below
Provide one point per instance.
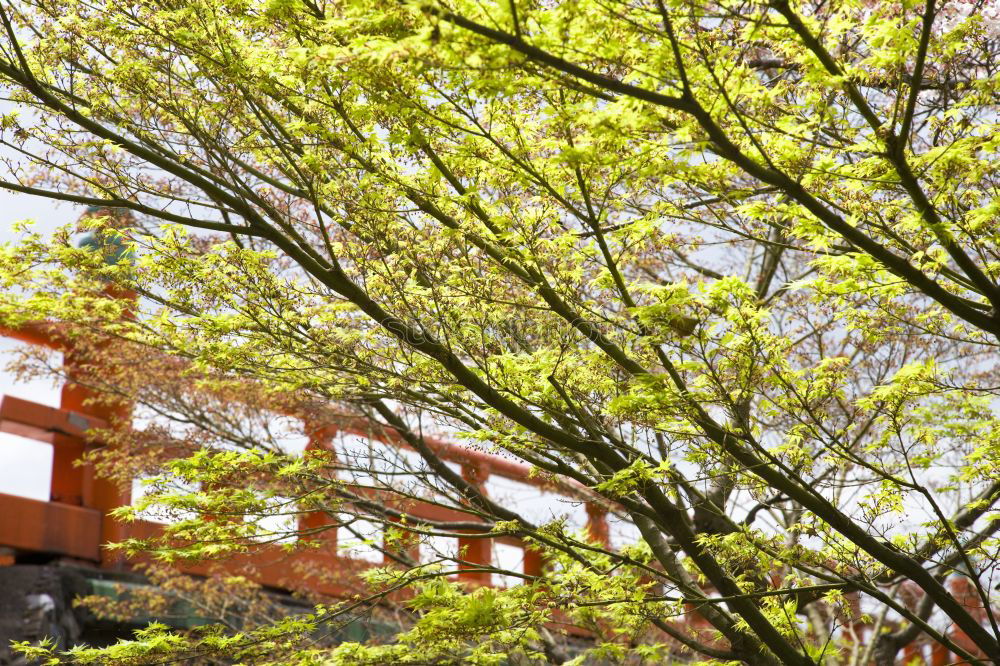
(74, 522)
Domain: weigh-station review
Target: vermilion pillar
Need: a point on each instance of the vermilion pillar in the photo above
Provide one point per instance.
(318, 525)
(940, 656)
(94, 491)
(475, 552)
(597, 524)
(97, 493)
(534, 562)
(67, 477)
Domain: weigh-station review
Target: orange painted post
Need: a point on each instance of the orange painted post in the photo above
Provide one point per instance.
(534, 562)
(911, 655)
(318, 526)
(98, 493)
(310, 525)
(105, 496)
(597, 524)
(940, 656)
(475, 552)
(67, 476)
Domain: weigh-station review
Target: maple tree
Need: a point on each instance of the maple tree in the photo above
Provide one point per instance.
(730, 266)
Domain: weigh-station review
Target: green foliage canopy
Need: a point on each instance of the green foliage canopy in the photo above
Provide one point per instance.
(732, 266)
